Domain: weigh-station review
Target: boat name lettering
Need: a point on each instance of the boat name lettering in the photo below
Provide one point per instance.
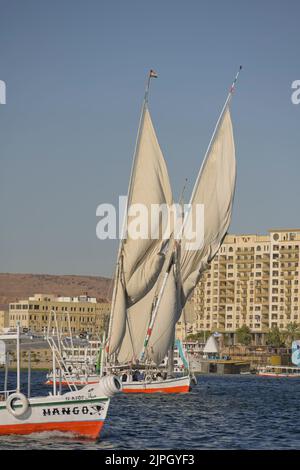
(75, 410)
(82, 397)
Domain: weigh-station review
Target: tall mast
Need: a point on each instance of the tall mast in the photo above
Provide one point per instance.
(227, 101)
(150, 75)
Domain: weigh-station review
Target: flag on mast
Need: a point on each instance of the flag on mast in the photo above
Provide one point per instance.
(153, 74)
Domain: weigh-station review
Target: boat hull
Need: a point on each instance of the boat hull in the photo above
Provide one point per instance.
(86, 429)
(174, 385)
(82, 413)
(270, 374)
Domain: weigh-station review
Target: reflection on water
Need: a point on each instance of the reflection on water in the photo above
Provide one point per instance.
(229, 412)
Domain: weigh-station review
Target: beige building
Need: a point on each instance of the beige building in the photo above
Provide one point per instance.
(81, 314)
(4, 319)
(253, 280)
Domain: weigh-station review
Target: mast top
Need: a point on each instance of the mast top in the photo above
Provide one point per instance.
(151, 74)
(235, 80)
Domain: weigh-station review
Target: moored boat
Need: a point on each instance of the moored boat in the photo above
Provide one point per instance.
(278, 371)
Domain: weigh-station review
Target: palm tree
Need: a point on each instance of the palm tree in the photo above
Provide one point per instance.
(243, 335)
(292, 332)
(275, 338)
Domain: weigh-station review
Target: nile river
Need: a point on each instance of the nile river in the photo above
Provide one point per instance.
(222, 412)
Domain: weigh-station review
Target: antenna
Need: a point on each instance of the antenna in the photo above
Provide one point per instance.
(183, 191)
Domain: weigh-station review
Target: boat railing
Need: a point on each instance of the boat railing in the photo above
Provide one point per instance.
(279, 369)
(6, 393)
(58, 359)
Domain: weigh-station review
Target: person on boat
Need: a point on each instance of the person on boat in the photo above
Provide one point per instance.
(124, 378)
(135, 376)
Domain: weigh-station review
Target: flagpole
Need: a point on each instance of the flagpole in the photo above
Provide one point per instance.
(145, 102)
(151, 74)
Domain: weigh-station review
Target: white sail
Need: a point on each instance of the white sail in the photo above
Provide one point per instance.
(154, 301)
(119, 319)
(141, 260)
(137, 322)
(215, 190)
(168, 314)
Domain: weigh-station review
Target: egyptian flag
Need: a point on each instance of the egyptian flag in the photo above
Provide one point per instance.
(153, 74)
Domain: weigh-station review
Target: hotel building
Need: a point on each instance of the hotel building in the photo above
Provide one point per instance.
(253, 280)
(81, 314)
(4, 319)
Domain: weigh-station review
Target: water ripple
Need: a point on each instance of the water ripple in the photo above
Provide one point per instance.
(229, 412)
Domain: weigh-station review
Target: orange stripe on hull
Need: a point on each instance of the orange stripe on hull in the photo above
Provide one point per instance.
(84, 428)
(178, 389)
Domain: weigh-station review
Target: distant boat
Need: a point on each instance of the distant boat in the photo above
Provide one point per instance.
(284, 371)
(278, 371)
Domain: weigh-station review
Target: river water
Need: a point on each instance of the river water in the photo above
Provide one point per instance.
(221, 412)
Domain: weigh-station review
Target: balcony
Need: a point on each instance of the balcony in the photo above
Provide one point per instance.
(294, 249)
(289, 258)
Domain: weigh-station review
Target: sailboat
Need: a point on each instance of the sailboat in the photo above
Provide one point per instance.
(155, 277)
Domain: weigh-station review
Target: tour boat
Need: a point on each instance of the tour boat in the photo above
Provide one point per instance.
(81, 412)
(278, 371)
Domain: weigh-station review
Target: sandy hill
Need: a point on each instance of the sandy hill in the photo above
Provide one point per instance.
(20, 286)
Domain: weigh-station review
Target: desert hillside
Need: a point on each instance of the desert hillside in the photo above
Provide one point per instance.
(20, 286)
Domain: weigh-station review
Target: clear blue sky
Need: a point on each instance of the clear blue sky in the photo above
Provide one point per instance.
(75, 73)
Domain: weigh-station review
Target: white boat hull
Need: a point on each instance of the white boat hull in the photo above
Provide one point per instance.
(274, 374)
(172, 385)
(82, 412)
